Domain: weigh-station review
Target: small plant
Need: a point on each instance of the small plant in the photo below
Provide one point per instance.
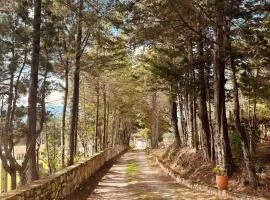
(222, 180)
(219, 171)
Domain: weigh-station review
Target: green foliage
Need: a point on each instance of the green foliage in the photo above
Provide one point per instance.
(235, 142)
(130, 49)
(132, 169)
(167, 138)
(144, 133)
(50, 147)
(218, 170)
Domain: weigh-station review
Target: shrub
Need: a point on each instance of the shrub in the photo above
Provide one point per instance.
(260, 165)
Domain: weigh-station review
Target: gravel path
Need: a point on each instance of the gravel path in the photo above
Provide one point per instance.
(134, 176)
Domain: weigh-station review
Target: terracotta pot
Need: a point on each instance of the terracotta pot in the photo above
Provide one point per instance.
(222, 182)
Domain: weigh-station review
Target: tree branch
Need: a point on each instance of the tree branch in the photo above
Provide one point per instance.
(189, 26)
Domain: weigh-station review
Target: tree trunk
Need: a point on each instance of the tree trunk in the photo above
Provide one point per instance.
(212, 136)
(14, 105)
(76, 89)
(253, 123)
(97, 119)
(182, 120)
(241, 131)
(194, 115)
(32, 173)
(118, 131)
(8, 160)
(43, 110)
(113, 131)
(76, 127)
(191, 121)
(85, 125)
(187, 120)
(64, 114)
(3, 161)
(3, 179)
(174, 120)
(154, 121)
(202, 112)
(104, 118)
(8, 143)
(47, 148)
(224, 155)
(107, 120)
(13, 182)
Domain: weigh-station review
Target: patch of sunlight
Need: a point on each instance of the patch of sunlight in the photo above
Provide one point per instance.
(132, 168)
(133, 182)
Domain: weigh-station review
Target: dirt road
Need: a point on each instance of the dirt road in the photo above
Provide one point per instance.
(134, 176)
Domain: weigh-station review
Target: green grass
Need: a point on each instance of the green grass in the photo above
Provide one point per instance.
(132, 168)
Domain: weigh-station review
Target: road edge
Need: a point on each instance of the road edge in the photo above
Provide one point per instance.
(200, 187)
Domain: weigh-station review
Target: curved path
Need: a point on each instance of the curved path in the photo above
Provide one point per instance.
(134, 176)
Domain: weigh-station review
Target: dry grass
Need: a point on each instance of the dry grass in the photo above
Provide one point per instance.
(190, 164)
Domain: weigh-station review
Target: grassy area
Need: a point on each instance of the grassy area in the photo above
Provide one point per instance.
(8, 181)
(132, 168)
(44, 172)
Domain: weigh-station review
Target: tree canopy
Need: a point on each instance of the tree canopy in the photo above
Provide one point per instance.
(80, 76)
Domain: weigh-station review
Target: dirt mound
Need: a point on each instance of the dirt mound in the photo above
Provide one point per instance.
(189, 164)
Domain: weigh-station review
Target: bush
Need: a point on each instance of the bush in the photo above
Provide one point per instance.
(133, 146)
(260, 165)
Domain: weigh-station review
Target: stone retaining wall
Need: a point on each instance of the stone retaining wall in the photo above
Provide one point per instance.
(64, 182)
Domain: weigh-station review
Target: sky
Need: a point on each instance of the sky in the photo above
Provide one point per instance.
(54, 101)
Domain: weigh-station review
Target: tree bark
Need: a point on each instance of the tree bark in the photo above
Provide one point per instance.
(154, 121)
(104, 118)
(182, 118)
(47, 148)
(13, 177)
(8, 143)
(8, 161)
(191, 121)
(14, 105)
(212, 136)
(32, 172)
(187, 120)
(3, 179)
(194, 114)
(107, 120)
(76, 88)
(64, 114)
(174, 120)
(224, 155)
(202, 112)
(113, 131)
(97, 119)
(4, 163)
(241, 131)
(254, 128)
(190, 96)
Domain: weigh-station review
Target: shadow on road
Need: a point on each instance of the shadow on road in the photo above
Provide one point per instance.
(87, 187)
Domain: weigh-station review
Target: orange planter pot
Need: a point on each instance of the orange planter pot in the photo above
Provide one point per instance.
(222, 182)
